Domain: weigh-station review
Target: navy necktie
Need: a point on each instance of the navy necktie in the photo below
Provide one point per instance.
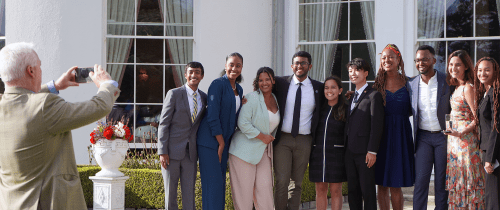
(355, 100)
(296, 111)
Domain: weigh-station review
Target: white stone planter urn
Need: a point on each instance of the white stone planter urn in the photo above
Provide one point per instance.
(110, 154)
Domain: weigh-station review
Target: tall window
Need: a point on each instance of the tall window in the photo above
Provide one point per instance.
(2, 35)
(335, 32)
(149, 42)
(450, 25)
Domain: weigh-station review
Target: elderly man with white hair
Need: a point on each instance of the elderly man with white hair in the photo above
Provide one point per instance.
(37, 160)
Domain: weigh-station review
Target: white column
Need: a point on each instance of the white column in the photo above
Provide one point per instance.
(109, 192)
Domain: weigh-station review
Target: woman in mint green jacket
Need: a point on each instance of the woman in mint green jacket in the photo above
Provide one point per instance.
(251, 153)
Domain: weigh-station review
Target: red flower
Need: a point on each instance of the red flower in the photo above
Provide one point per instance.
(92, 140)
(108, 133)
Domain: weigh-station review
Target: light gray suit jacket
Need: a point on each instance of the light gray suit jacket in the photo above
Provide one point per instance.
(37, 160)
(176, 130)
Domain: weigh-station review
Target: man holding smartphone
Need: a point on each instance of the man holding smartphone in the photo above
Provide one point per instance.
(37, 160)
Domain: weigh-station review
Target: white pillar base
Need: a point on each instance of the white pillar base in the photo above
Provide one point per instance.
(109, 192)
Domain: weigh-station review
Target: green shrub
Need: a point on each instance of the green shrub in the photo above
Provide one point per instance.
(144, 188)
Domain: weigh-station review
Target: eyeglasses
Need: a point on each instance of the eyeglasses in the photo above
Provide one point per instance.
(423, 60)
(303, 63)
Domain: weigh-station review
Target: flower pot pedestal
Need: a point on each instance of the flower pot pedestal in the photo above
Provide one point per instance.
(109, 192)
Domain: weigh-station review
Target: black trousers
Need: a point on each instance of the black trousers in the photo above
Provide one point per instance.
(492, 182)
(360, 182)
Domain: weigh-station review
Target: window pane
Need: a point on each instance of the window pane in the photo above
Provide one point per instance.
(149, 50)
(121, 17)
(179, 17)
(345, 87)
(120, 50)
(2, 86)
(487, 22)
(337, 57)
(462, 45)
(332, 19)
(149, 84)
(362, 14)
(430, 19)
(488, 48)
(439, 48)
(174, 77)
(366, 51)
(123, 113)
(310, 23)
(149, 18)
(147, 119)
(2, 18)
(459, 18)
(317, 71)
(309, 1)
(343, 24)
(178, 51)
(124, 75)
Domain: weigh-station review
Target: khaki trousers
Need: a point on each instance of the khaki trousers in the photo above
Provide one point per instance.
(291, 157)
(252, 184)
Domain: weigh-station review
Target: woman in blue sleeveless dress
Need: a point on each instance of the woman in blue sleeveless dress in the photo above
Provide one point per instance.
(395, 166)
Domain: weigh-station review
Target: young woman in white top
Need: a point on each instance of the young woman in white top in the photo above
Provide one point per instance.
(251, 153)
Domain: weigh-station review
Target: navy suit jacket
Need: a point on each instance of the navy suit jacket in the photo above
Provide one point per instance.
(281, 92)
(443, 100)
(221, 115)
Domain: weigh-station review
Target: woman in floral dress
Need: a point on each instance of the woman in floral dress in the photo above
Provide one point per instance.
(464, 172)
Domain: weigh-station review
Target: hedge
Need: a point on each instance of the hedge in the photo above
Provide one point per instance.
(144, 188)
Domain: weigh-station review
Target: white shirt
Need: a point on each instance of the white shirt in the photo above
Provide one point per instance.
(427, 105)
(238, 103)
(360, 91)
(307, 105)
(190, 92)
(274, 120)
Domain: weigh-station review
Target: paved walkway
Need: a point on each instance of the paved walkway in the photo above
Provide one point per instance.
(407, 193)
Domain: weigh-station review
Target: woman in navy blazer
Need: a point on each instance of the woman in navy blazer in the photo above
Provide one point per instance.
(216, 130)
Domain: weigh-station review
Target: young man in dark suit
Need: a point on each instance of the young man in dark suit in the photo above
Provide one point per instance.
(299, 99)
(182, 112)
(364, 131)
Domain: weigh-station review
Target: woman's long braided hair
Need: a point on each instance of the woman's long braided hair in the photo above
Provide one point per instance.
(379, 84)
(481, 89)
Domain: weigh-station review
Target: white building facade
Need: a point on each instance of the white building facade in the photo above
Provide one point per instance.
(145, 44)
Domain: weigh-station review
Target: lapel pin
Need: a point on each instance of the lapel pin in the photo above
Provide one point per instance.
(316, 91)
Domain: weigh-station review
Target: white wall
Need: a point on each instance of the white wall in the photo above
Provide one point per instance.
(227, 26)
(66, 33)
(70, 32)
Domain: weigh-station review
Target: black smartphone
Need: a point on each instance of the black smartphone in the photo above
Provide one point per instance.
(82, 75)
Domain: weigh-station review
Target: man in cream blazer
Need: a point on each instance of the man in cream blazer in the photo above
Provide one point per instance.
(37, 160)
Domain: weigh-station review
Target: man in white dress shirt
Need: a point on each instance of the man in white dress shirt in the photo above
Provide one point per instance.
(299, 100)
(430, 96)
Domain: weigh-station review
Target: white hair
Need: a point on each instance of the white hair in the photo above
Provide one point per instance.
(15, 58)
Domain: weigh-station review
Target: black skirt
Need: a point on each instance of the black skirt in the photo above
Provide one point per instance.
(327, 156)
